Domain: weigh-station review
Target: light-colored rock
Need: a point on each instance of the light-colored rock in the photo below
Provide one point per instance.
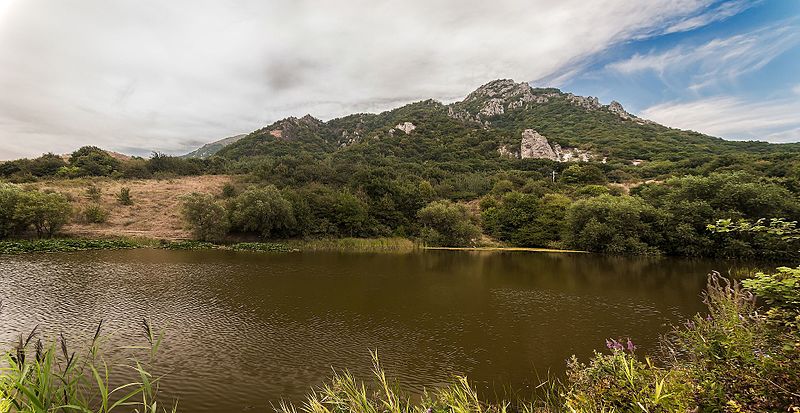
(406, 127)
(493, 107)
(617, 109)
(536, 146)
(507, 153)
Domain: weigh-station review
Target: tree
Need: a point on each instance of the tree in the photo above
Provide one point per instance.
(616, 225)
(446, 223)
(262, 210)
(47, 212)
(207, 219)
(94, 161)
(9, 198)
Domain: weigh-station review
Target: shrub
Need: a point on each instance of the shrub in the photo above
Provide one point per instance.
(95, 214)
(9, 198)
(93, 193)
(228, 190)
(124, 197)
(207, 219)
(447, 224)
(616, 225)
(46, 212)
(264, 211)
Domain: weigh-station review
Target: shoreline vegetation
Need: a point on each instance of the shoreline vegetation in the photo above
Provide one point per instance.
(742, 355)
(22, 246)
(387, 245)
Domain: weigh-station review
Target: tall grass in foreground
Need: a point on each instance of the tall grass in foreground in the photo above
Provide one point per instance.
(737, 358)
(39, 378)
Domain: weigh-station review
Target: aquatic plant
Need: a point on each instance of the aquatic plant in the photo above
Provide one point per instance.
(64, 245)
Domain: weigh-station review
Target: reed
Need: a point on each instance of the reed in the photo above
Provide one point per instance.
(39, 378)
(389, 244)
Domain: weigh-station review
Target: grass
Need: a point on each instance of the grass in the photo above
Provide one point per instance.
(393, 244)
(35, 378)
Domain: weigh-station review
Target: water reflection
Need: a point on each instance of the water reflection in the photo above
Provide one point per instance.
(245, 329)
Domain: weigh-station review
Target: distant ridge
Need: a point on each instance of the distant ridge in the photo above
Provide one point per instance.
(212, 148)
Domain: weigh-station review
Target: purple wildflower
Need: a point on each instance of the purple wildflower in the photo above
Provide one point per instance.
(630, 345)
(709, 318)
(614, 345)
(690, 325)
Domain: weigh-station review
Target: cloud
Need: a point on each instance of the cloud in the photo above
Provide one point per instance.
(721, 12)
(718, 60)
(796, 89)
(733, 118)
(144, 75)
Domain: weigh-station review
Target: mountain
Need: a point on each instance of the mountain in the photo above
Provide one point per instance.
(212, 148)
(501, 120)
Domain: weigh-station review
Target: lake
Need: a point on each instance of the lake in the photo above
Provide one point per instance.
(243, 330)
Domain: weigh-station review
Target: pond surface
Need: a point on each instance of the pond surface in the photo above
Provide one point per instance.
(243, 330)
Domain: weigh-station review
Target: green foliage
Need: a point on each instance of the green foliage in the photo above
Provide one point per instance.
(46, 212)
(207, 219)
(124, 197)
(93, 193)
(9, 198)
(264, 211)
(262, 247)
(527, 220)
(95, 214)
(586, 174)
(447, 224)
(40, 378)
(187, 245)
(63, 245)
(93, 161)
(781, 293)
(228, 190)
(615, 225)
(621, 382)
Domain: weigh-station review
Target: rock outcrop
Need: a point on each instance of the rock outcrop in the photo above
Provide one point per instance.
(406, 127)
(535, 146)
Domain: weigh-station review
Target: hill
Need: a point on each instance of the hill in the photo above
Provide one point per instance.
(212, 148)
(490, 125)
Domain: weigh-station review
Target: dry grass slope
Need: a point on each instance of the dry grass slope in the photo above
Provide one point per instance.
(156, 209)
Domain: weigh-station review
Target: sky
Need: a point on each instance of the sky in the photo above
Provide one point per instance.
(137, 76)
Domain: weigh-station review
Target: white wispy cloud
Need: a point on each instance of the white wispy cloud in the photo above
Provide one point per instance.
(718, 13)
(718, 60)
(135, 75)
(733, 118)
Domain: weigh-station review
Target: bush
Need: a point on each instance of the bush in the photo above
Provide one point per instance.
(93, 193)
(46, 212)
(447, 224)
(95, 214)
(228, 190)
(9, 198)
(124, 197)
(207, 219)
(264, 211)
(616, 225)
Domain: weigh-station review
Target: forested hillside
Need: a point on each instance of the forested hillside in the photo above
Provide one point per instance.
(509, 164)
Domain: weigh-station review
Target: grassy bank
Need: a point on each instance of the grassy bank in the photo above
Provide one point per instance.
(78, 244)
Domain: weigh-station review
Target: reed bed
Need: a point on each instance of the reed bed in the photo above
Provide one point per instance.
(40, 378)
(388, 244)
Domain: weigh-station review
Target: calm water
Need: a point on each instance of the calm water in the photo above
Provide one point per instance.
(245, 329)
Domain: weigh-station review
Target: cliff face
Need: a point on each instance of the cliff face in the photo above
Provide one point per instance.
(535, 146)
